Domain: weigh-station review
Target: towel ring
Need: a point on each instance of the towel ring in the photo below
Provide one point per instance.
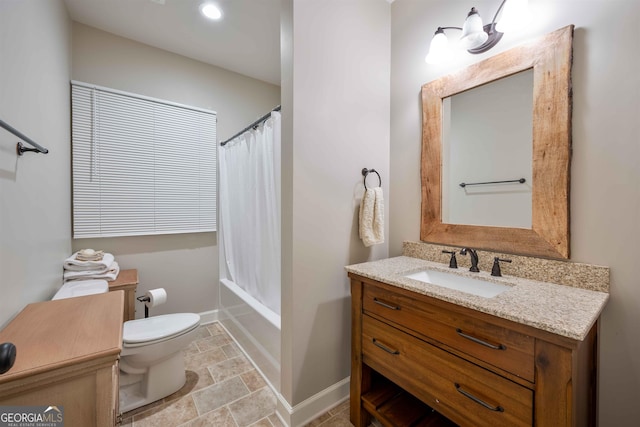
(366, 172)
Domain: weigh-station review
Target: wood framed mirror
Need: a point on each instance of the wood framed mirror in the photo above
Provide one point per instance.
(550, 59)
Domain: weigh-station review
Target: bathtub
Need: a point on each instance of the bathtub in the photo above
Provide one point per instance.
(255, 327)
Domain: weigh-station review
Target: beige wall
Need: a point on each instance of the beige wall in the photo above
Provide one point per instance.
(186, 265)
(605, 190)
(35, 236)
(335, 122)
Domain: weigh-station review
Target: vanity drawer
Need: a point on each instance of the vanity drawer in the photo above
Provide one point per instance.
(493, 344)
(465, 393)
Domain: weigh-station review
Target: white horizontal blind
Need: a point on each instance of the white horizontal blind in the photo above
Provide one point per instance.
(140, 165)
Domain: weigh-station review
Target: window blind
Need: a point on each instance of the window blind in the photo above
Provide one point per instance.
(140, 165)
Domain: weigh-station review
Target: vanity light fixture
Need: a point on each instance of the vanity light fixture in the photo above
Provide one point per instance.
(477, 37)
(211, 11)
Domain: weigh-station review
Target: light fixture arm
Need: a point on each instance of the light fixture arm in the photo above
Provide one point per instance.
(493, 21)
(449, 28)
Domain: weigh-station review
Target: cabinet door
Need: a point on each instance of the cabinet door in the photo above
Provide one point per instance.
(87, 394)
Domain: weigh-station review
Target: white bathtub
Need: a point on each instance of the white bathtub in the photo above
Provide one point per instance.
(254, 326)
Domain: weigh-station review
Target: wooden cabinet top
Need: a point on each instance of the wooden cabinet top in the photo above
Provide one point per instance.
(127, 279)
(55, 334)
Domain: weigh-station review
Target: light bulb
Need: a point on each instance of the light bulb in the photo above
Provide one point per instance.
(439, 51)
(211, 11)
(515, 15)
(473, 34)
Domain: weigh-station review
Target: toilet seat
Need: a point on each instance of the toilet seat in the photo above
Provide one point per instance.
(142, 332)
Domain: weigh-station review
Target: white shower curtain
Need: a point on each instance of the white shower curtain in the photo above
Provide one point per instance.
(250, 211)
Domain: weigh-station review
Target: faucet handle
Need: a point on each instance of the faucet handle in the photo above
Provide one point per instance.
(495, 270)
(453, 263)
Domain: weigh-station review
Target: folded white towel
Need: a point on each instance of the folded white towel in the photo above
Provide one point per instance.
(110, 274)
(372, 217)
(73, 264)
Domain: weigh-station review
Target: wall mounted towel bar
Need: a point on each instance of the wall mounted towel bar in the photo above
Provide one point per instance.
(20, 148)
(366, 172)
(521, 181)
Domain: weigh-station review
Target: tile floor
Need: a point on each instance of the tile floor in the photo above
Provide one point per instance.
(223, 390)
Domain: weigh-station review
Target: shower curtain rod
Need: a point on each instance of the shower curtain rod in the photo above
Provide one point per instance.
(252, 125)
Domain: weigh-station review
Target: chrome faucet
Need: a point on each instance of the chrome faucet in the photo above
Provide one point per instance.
(473, 255)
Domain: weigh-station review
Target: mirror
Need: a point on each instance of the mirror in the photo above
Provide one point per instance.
(546, 234)
(486, 154)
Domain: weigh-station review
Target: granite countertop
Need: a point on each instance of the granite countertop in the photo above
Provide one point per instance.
(559, 309)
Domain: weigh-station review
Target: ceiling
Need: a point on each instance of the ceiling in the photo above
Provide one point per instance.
(246, 40)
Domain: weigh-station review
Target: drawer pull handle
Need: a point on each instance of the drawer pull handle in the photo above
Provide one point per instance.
(479, 401)
(481, 342)
(384, 304)
(385, 348)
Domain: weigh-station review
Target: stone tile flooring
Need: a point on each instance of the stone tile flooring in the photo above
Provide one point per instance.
(223, 389)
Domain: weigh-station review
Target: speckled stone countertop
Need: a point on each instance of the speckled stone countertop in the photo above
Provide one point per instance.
(559, 309)
(575, 274)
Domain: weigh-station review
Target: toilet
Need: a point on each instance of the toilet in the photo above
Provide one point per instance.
(151, 361)
(81, 288)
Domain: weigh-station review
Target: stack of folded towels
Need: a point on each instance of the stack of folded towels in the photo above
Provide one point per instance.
(88, 264)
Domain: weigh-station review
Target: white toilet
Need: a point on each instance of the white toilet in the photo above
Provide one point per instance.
(151, 362)
(81, 288)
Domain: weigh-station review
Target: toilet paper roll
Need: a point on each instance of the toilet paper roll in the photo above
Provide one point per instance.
(156, 297)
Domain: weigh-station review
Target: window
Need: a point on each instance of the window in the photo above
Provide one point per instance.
(140, 165)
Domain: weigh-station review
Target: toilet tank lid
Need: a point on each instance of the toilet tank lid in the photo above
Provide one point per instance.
(81, 288)
(158, 327)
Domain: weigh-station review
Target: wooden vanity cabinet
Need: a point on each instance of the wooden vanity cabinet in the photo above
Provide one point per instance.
(417, 360)
(67, 356)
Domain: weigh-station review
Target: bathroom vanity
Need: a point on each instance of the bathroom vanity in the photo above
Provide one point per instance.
(430, 356)
(67, 356)
(523, 352)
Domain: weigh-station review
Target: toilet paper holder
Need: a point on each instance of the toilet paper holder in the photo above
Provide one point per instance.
(145, 299)
(151, 298)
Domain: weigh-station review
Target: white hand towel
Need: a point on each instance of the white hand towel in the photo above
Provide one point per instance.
(372, 217)
(366, 216)
(72, 263)
(378, 216)
(110, 274)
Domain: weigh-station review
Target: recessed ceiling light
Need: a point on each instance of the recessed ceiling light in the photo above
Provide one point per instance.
(211, 11)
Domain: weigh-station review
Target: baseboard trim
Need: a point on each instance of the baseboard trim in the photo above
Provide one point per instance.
(311, 408)
(207, 317)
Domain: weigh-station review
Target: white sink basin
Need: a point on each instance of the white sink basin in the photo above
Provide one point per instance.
(459, 283)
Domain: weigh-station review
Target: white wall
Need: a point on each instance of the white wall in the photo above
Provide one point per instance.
(605, 176)
(35, 236)
(186, 265)
(335, 122)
